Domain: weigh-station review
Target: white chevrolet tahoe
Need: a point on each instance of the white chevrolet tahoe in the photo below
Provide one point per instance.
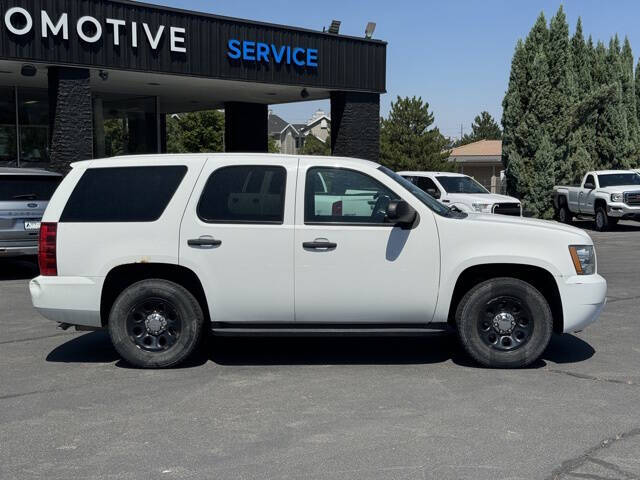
(159, 249)
(605, 195)
(463, 193)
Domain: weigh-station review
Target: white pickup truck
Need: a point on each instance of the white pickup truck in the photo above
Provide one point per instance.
(159, 249)
(605, 195)
(463, 193)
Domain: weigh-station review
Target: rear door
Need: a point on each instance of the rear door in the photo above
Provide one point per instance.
(237, 235)
(23, 199)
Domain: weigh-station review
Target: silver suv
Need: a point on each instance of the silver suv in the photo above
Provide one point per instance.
(24, 195)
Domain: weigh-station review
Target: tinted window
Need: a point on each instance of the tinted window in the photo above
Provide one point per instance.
(334, 195)
(247, 193)
(616, 179)
(123, 194)
(461, 185)
(27, 187)
(590, 180)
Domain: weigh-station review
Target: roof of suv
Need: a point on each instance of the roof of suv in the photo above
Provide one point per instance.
(184, 157)
(424, 174)
(28, 171)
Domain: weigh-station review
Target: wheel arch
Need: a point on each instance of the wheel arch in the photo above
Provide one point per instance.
(122, 276)
(540, 278)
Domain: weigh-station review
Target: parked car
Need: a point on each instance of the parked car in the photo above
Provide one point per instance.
(605, 195)
(463, 193)
(24, 194)
(159, 248)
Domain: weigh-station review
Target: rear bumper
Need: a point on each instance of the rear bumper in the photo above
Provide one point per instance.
(18, 250)
(72, 300)
(583, 298)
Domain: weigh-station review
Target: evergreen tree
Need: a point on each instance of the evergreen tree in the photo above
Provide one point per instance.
(195, 132)
(406, 140)
(537, 200)
(484, 127)
(629, 98)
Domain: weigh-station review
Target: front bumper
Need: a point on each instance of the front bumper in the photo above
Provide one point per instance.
(620, 209)
(583, 298)
(72, 300)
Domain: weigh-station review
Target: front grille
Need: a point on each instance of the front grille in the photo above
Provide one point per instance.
(507, 209)
(632, 198)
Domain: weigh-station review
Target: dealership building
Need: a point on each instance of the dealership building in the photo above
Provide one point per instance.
(83, 79)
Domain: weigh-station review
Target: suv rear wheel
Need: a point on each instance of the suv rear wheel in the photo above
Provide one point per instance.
(504, 323)
(155, 324)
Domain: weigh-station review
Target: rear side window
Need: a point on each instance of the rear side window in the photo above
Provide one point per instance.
(244, 194)
(123, 194)
(27, 187)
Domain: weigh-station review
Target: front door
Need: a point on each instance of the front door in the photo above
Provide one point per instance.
(588, 197)
(237, 236)
(351, 266)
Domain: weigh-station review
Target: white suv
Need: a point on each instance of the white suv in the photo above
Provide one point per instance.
(159, 248)
(463, 193)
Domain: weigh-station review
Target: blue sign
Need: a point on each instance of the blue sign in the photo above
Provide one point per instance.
(265, 52)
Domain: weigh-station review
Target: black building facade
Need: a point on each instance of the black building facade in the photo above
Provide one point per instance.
(92, 78)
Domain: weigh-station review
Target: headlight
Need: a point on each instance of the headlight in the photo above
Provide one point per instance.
(584, 259)
(481, 207)
(616, 197)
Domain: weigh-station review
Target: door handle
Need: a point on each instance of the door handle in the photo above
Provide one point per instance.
(204, 242)
(320, 245)
(445, 201)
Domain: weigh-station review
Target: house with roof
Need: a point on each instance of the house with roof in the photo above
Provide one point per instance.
(481, 160)
(290, 137)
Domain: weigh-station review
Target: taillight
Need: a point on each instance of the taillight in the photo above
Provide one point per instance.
(47, 249)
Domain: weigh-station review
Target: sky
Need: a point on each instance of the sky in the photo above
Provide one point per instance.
(456, 55)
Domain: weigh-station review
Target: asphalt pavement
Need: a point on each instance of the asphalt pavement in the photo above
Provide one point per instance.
(336, 408)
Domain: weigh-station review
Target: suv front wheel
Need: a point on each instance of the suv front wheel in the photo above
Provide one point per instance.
(504, 323)
(155, 323)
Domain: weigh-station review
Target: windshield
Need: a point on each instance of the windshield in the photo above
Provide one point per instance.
(424, 197)
(460, 185)
(615, 179)
(27, 187)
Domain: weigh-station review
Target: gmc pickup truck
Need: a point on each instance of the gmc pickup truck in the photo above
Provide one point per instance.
(605, 195)
(160, 249)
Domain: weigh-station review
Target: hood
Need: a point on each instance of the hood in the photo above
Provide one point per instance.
(491, 198)
(620, 189)
(529, 222)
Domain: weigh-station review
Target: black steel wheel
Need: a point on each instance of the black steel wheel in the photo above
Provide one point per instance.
(504, 323)
(155, 323)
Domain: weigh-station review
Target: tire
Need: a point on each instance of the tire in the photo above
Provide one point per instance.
(564, 214)
(155, 324)
(601, 219)
(504, 308)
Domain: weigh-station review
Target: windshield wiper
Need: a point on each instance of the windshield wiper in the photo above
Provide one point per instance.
(25, 196)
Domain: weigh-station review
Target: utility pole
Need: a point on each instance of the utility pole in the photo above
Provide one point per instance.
(460, 132)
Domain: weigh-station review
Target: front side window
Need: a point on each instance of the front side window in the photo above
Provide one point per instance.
(244, 194)
(337, 195)
(123, 194)
(618, 179)
(590, 180)
(453, 184)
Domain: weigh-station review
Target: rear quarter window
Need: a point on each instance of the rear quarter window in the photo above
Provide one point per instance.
(123, 194)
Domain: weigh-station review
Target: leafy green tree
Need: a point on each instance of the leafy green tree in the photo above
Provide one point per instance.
(195, 132)
(272, 146)
(315, 146)
(407, 139)
(484, 127)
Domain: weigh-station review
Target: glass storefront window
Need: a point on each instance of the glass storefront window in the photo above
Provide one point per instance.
(33, 120)
(125, 126)
(8, 129)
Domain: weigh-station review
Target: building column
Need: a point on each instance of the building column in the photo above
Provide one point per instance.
(355, 125)
(245, 127)
(70, 117)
